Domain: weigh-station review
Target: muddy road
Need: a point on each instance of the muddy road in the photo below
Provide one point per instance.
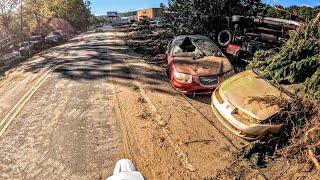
(72, 111)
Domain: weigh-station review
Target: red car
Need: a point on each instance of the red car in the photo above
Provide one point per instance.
(196, 64)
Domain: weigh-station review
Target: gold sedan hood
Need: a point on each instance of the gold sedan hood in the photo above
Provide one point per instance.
(241, 89)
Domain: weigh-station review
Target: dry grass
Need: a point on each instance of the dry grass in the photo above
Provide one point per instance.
(305, 146)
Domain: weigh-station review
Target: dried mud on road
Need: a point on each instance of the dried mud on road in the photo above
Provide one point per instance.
(187, 132)
(66, 128)
(103, 102)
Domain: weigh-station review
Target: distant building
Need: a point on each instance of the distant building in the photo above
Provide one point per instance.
(129, 15)
(105, 19)
(151, 13)
(112, 14)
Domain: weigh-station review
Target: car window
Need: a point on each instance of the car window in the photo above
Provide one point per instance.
(197, 46)
(206, 47)
(177, 49)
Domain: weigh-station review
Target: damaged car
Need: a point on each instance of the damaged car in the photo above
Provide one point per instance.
(26, 48)
(239, 104)
(196, 65)
(55, 37)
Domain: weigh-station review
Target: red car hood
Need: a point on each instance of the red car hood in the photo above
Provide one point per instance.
(207, 66)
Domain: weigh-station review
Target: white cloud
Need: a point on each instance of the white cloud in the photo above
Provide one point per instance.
(305, 5)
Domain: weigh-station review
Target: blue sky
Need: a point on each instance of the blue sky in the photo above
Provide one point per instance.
(103, 6)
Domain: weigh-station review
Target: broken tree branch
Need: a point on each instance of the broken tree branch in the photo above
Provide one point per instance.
(313, 158)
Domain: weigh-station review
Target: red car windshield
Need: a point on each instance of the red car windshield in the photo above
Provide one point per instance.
(197, 47)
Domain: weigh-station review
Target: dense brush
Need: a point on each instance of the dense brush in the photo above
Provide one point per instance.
(298, 60)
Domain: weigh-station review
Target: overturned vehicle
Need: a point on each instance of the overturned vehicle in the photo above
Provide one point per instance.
(239, 105)
(196, 65)
(242, 36)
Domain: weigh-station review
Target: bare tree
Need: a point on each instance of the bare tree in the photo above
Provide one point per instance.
(7, 8)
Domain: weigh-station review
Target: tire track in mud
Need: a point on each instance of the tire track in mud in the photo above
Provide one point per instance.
(121, 113)
(122, 120)
(212, 123)
(131, 144)
(183, 157)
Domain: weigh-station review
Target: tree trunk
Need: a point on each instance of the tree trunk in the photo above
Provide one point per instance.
(317, 19)
(38, 22)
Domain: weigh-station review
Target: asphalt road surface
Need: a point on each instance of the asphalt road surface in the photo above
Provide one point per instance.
(72, 111)
(58, 115)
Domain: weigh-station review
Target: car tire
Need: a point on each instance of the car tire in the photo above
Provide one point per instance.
(224, 38)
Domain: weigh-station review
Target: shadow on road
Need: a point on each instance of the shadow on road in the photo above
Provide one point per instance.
(91, 60)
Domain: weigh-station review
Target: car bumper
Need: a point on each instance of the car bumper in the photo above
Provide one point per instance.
(192, 88)
(249, 131)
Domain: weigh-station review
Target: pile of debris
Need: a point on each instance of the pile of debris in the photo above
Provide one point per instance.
(299, 116)
(298, 61)
(305, 145)
(151, 45)
(144, 34)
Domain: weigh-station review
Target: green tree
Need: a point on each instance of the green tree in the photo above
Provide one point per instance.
(198, 16)
(298, 60)
(37, 13)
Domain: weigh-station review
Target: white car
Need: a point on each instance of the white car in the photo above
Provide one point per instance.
(238, 104)
(156, 24)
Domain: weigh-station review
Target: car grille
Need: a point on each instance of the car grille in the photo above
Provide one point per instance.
(209, 80)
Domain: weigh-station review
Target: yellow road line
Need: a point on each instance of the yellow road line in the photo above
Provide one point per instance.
(17, 108)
